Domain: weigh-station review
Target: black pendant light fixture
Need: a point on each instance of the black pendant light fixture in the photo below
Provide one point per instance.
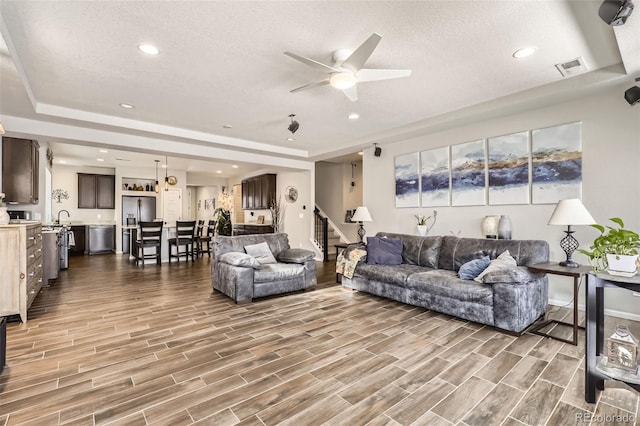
(157, 187)
(166, 173)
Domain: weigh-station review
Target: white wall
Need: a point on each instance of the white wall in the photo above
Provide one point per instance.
(611, 184)
(203, 193)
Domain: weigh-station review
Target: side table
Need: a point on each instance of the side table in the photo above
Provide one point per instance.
(594, 371)
(553, 268)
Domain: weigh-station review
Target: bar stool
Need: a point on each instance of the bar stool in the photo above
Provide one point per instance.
(150, 237)
(185, 236)
(206, 238)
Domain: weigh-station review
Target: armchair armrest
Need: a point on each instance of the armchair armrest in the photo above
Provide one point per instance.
(514, 275)
(295, 255)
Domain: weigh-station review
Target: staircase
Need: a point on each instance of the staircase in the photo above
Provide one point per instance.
(332, 240)
(326, 237)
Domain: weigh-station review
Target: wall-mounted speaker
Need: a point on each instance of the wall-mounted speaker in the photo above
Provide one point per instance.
(632, 95)
(615, 12)
(377, 152)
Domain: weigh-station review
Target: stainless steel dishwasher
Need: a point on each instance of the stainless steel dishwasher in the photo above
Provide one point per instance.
(102, 239)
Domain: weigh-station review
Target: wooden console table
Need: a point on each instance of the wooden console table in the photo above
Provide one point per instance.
(595, 374)
(553, 268)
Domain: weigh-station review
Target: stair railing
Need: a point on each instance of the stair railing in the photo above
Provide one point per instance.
(321, 233)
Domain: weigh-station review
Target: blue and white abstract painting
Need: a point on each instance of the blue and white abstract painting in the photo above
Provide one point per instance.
(468, 168)
(435, 177)
(556, 156)
(407, 180)
(508, 164)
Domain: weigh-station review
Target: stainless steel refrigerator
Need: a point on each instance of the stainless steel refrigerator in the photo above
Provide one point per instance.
(135, 210)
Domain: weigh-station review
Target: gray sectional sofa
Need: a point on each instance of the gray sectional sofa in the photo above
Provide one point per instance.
(510, 300)
(242, 278)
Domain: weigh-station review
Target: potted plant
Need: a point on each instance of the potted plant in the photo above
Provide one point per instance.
(423, 228)
(615, 249)
(223, 217)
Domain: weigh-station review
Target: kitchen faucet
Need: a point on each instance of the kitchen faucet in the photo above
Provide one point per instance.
(68, 215)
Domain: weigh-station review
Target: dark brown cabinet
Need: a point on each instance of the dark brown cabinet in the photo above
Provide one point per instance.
(96, 191)
(242, 229)
(258, 191)
(20, 170)
(80, 238)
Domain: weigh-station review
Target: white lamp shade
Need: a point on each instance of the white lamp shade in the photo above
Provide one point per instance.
(362, 215)
(571, 212)
(342, 80)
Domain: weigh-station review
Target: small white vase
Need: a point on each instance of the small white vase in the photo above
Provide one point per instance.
(622, 265)
(490, 226)
(4, 216)
(504, 228)
(422, 230)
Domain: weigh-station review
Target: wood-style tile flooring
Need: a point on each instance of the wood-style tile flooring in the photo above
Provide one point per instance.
(112, 343)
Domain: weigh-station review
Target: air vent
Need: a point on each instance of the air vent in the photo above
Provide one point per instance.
(122, 159)
(573, 67)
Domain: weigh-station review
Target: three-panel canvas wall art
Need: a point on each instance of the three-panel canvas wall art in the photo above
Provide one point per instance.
(541, 166)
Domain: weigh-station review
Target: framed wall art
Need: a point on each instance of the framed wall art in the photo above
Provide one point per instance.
(435, 179)
(468, 168)
(407, 180)
(508, 166)
(556, 163)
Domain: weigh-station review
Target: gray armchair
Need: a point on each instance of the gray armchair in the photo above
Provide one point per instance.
(243, 278)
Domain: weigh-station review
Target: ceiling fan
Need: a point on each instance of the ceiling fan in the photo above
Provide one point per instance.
(347, 70)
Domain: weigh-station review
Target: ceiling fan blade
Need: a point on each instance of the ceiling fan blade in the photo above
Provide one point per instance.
(312, 63)
(374, 75)
(358, 58)
(351, 93)
(310, 86)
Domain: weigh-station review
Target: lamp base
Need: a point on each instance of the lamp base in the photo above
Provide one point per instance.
(361, 232)
(569, 264)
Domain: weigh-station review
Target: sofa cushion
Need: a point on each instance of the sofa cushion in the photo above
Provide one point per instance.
(384, 251)
(278, 272)
(295, 255)
(416, 250)
(261, 252)
(445, 283)
(240, 259)
(501, 263)
(473, 268)
(392, 274)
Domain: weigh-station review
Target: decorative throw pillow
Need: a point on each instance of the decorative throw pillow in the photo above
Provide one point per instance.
(261, 252)
(235, 258)
(473, 268)
(384, 251)
(504, 261)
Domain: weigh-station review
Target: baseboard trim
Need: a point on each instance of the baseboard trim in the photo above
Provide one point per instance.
(610, 312)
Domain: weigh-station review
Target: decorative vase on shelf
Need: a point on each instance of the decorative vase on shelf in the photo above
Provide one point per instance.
(422, 230)
(4, 216)
(504, 228)
(490, 226)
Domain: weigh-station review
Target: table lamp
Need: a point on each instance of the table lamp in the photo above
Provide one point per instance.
(361, 215)
(567, 213)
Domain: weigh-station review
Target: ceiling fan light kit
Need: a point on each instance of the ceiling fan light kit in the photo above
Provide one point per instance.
(347, 69)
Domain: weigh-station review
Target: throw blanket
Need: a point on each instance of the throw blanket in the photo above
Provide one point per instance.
(348, 260)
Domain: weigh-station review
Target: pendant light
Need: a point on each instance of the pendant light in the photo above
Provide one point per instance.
(157, 187)
(166, 173)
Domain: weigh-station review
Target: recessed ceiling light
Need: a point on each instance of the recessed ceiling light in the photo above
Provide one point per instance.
(149, 49)
(291, 139)
(235, 166)
(164, 166)
(227, 126)
(218, 171)
(354, 116)
(100, 159)
(524, 52)
(126, 106)
(104, 151)
(360, 153)
(62, 162)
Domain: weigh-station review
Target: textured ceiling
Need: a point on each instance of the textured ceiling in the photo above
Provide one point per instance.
(222, 62)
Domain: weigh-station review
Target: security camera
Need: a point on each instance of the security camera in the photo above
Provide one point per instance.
(294, 126)
(615, 12)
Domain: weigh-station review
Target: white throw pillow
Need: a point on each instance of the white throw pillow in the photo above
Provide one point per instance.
(262, 252)
(504, 261)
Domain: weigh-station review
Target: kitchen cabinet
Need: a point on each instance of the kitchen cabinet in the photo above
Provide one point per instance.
(258, 191)
(244, 229)
(20, 170)
(21, 266)
(101, 238)
(79, 236)
(96, 191)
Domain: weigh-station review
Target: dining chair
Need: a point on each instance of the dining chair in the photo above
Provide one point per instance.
(185, 237)
(150, 238)
(205, 239)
